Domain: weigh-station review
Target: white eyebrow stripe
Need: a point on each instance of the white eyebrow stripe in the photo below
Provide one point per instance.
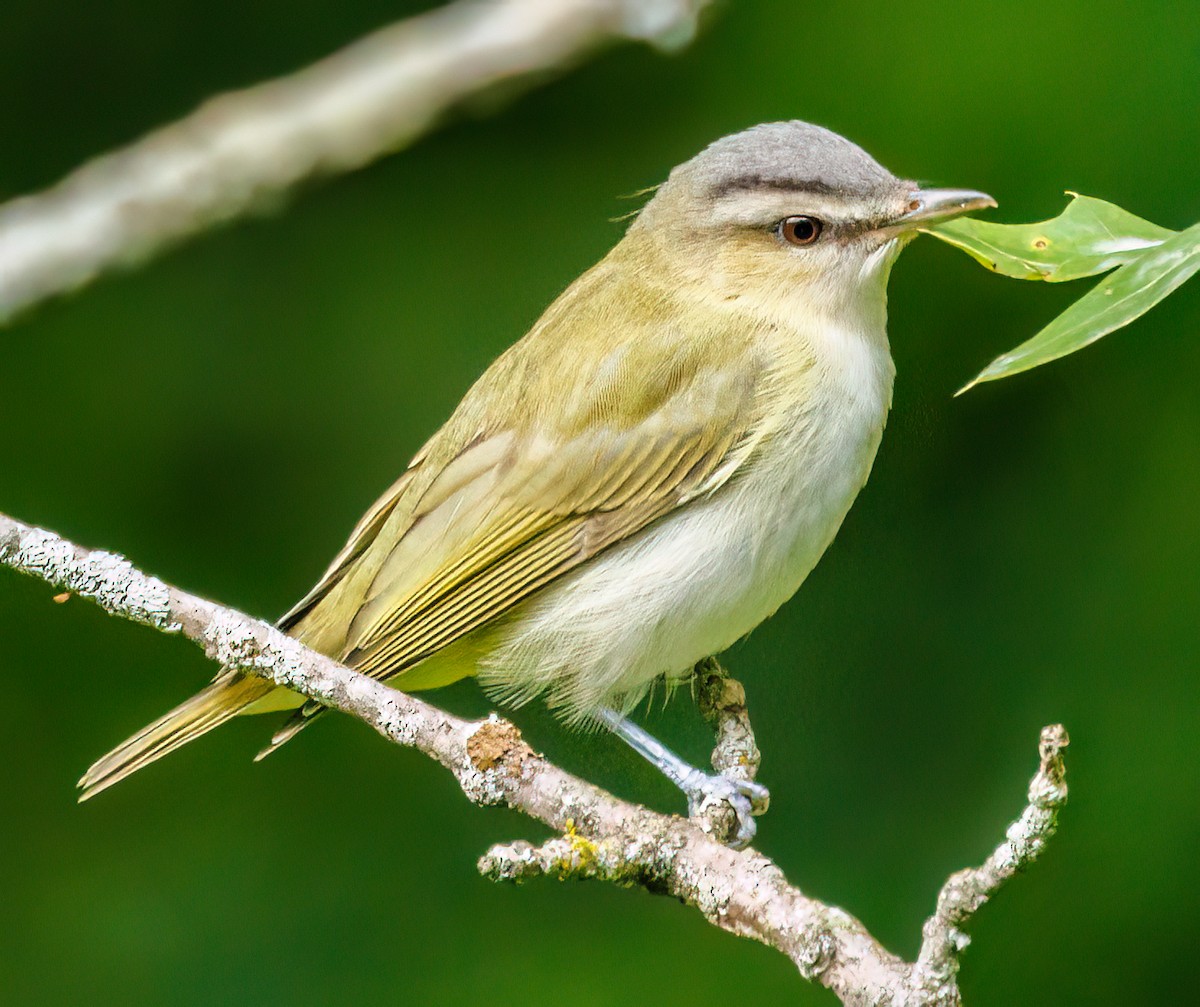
(754, 207)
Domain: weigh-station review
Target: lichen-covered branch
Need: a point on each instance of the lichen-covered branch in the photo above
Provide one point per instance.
(722, 702)
(599, 836)
(242, 151)
(965, 892)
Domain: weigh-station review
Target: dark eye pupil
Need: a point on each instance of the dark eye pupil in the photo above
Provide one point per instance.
(801, 230)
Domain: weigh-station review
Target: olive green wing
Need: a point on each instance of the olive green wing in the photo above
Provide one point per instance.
(515, 511)
(364, 534)
(601, 421)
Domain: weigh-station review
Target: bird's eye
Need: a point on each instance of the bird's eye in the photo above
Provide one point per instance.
(799, 230)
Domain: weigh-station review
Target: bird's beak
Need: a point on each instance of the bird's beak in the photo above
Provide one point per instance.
(932, 206)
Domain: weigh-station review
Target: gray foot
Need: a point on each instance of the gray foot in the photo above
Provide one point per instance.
(704, 792)
(745, 797)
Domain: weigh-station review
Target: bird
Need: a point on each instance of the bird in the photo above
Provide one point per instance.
(644, 477)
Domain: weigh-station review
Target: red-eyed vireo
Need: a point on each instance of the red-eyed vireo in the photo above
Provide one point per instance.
(647, 475)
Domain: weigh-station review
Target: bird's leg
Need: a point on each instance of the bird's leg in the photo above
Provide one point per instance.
(702, 790)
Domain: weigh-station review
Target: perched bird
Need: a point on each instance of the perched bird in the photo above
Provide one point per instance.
(647, 475)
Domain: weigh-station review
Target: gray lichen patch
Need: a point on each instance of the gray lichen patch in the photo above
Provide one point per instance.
(103, 577)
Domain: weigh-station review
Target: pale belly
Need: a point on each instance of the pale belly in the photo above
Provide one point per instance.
(694, 583)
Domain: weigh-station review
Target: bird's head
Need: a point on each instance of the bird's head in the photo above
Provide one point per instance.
(788, 209)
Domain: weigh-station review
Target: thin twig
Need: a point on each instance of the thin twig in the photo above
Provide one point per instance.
(966, 892)
(240, 152)
(722, 702)
(602, 836)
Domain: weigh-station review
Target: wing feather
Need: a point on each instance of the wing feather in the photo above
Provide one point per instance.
(494, 591)
(360, 540)
(504, 567)
(512, 494)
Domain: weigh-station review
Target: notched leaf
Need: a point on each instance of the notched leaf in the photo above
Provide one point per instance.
(1115, 302)
(1090, 236)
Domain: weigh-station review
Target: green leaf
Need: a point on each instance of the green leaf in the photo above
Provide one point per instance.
(1090, 236)
(1116, 301)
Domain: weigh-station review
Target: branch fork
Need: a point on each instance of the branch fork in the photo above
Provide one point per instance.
(597, 836)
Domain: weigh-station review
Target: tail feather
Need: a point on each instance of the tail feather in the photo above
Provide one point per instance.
(291, 727)
(209, 708)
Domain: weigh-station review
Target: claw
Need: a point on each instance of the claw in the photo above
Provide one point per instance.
(745, 797)
(703, 791)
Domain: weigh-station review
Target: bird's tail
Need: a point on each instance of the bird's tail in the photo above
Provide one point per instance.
(292, 726)
(228, 696)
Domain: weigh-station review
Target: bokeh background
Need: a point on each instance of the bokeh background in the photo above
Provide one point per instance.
(1025, 554)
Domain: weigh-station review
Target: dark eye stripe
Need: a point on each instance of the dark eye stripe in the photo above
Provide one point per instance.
(752, 183)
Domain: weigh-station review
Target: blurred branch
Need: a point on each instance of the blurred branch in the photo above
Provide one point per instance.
(601, 836)
(242, 151)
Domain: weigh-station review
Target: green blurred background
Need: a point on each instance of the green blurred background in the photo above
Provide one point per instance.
(1025, 554)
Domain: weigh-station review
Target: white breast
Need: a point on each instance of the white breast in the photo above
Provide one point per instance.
(692, 585)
